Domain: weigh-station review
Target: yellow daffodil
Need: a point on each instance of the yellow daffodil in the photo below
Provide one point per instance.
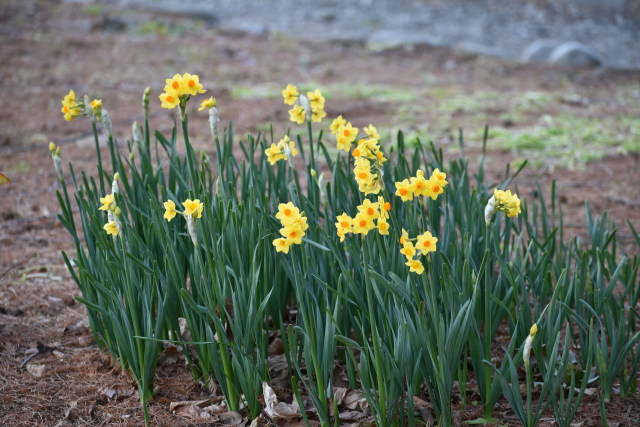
(106, 201)
(191, 84)
(70, 107)
(336, 124)
(370, 209)
(111, 228)
(435, 188)
(439, 176)
(274, 154)
(404, 237)
(426, 243)
(408, 250)
(345, 136)
(372, 132)
(404, 190)
(287, 213)
(383, 227)
(169, 100)
(193, 208)
(362, 224)
(293, 232)
(290, 94)
(415, 266)
(344, 225)
(174, 85)
(316, 100)
(419, 185)
(297, 114)
(507, 202)
(282, 245)
(317, 115)
(207, 104)
(169, 210)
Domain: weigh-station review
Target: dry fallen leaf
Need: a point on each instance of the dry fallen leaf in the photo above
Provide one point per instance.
(355, 400)
(200, 403)
(230, 419)
(119, 391)
(36, 370)
(278, 410)
(193, 411)
(4, 179)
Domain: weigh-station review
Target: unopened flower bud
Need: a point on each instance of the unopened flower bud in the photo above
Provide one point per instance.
(145, 101)
(58, 151)
(135, 130)
(132, 156)
(304, 102)
(313, 173)
(52, 147)
(106, 122)
(117, 211)
(115, 188)
(214, 119)
(528, 343)
(191, 228)
(88, 109)
(490, 210)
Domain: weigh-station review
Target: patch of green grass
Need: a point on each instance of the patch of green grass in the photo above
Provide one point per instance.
(266, 90)
(380, 93)
(569, 140)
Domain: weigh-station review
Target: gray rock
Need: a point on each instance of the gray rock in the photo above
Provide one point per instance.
(539, 51)
(389, 39)
(574, 54)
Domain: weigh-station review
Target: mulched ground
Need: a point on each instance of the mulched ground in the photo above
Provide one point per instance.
(50, 47)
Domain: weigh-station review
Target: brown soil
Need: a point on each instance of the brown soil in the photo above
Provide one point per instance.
(49, 47)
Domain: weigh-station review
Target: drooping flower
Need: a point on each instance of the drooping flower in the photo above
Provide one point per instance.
(107, 201)
(207, 104)
(111, 228)
(415, 266)
(169, 210)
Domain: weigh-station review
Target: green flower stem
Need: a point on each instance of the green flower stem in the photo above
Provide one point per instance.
(312, 159)
(488, 410)
(529, 387)
(97, 142)
(377, 354)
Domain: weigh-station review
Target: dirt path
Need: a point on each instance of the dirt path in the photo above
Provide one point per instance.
(49, 48)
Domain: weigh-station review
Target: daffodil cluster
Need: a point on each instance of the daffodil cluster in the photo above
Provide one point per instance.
(113, 225)
(294, 225)
(424, 244)
(502, 201)
(179, 89)
(284, 150)
(345, 133)
(418, 185)
(371, 215)
(309, 107)
(192, 211)
(71, 108)
(367, 167)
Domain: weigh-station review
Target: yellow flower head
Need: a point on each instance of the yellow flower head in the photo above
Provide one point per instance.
(287, 147)
(345, 136)
(404, 190)
(383, 226)
(70, 107)
(316, 100)
(193, 208)
(106, 201)
(191, 84)
(408, 250)
(290, 94)
(174, 86)
(207, 103)
(370, 209)
(439, 176)
(415, 266)
(282, 245)
(384, 207)
(169, 210)
(435, 188)
(336, 124)
(96, 106)
(111, 228)
(274, 154)
(288, 213)
(293, 232)
(426, 243)
(362, 223)
(344, 225)
(405, 237)
(507, 202)
(534, 330)
(317, 115)
(297, 114)
(169, 100)
(419, 185)
(372, 132)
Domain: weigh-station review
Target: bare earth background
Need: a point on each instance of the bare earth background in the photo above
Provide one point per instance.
(579, 127)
